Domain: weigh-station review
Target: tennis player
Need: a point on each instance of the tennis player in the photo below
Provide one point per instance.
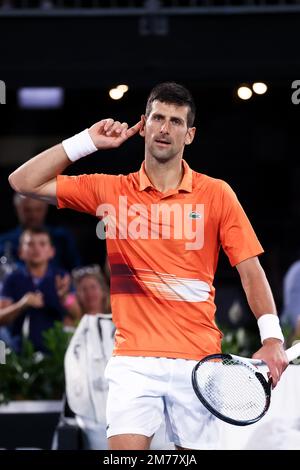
(165, 224)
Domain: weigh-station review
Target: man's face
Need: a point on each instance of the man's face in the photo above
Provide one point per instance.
(36, 249)
(31, 213)
(166, 132)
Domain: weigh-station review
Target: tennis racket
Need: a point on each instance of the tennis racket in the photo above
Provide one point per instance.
(232, 388)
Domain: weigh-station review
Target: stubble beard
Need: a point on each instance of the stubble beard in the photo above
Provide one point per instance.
(163, 155)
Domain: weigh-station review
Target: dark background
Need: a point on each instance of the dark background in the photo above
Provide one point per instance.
(252, 145)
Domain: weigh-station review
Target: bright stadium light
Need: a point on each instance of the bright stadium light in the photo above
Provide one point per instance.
(123, 88)
(116, 93)
(244, 93)
(259, 88)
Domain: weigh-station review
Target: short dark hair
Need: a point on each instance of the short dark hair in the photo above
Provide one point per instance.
(173, 93)
(36, 231)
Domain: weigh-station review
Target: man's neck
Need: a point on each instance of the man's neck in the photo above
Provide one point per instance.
(164, 176)
(37, 270)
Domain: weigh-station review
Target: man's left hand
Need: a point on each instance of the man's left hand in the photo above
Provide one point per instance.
(63, 284)
(273, 354)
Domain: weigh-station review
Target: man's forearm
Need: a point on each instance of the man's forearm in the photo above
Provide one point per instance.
(37, 177)
(10, 313)
(259, 294)
(31, 177)
(262, 304)
(256, 287)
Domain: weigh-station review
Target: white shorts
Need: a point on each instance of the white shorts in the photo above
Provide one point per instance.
(145, 390)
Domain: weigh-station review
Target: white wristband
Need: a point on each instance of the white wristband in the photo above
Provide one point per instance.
(269, 327)
(78, 146)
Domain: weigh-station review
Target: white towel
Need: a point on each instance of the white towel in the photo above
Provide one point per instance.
(87, 355)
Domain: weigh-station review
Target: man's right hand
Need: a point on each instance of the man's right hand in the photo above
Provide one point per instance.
(37, 177)
(33, 299)
(107, 133)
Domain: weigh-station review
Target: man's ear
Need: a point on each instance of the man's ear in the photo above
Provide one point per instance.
(190, 135)
(142, 128)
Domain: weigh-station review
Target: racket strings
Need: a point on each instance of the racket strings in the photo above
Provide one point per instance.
(231, 388)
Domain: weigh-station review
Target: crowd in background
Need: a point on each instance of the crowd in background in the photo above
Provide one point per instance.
(42, 280)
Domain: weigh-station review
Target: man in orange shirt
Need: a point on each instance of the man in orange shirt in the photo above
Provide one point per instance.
(164, 228)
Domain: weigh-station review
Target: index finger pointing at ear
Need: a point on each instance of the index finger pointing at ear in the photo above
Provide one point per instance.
(133, 130)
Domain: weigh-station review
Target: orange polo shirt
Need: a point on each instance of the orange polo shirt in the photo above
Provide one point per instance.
(163, 251)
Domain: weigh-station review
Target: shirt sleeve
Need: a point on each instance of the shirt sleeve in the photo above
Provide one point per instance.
(7, 290)
(84, 193)
(237, 236)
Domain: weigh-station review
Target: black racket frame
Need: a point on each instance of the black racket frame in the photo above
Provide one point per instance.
(267, 385)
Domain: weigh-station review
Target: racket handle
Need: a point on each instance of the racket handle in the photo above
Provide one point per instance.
(292, 353)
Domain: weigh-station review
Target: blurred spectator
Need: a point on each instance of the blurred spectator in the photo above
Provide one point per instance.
(92, 294)
(87, 355)
(291, 299)
(33, 291)
(31, 215)
(91, 289)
